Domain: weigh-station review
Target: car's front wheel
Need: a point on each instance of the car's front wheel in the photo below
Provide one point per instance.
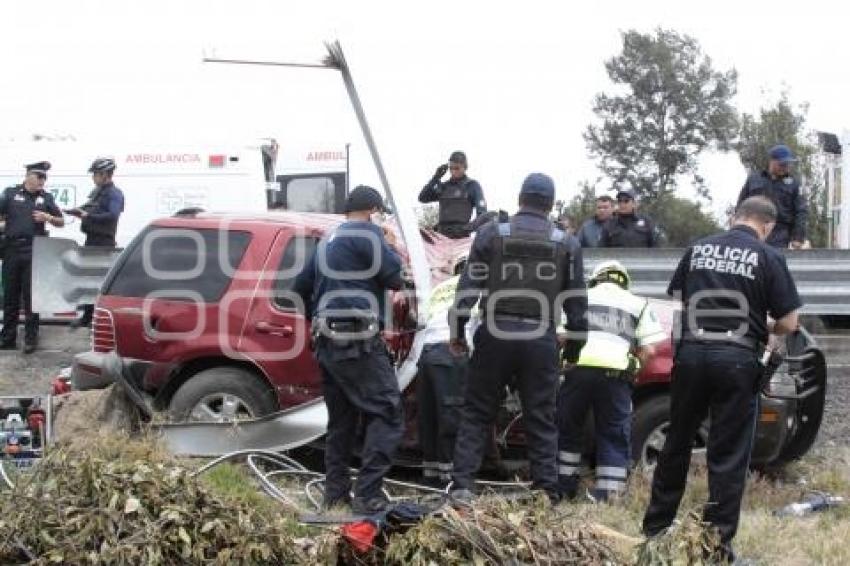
(222, 394)
(650, 425)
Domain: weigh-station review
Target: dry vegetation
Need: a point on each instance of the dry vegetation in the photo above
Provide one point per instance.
(115, 501)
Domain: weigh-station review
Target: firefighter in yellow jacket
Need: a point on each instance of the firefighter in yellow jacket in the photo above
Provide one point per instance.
(621, 332)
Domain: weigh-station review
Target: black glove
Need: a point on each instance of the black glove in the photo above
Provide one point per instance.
(572, 349)
(441, 170)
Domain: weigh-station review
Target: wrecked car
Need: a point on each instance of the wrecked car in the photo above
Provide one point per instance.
(196, 313)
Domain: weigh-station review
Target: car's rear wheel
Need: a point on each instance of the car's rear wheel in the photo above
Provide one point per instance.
(222, 394)
(650, 425)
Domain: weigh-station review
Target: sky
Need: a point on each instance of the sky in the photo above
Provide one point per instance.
(511, 84)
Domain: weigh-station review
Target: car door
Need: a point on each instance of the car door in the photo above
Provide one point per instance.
(276, 335)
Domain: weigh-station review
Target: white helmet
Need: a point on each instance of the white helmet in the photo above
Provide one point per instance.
(610, 271)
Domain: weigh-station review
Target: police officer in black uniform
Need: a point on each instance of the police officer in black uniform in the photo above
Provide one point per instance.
(522, 266)
(729, 283)
(99, 216)
(458, 197)
(27, 208)
(777, 184)
(344, 287)
(627, 228)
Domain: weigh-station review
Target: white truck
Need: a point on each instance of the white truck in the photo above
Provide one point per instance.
(163, 178)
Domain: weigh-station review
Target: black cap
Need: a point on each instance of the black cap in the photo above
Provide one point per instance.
(626, 192)
(40, 167)
(362, 197)
(458, 157)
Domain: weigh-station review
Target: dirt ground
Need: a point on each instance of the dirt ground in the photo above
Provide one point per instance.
(23, 375)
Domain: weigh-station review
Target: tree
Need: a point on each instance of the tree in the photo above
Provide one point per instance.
(680, 220)
(581, 207)
(674, 105)
(784, 122)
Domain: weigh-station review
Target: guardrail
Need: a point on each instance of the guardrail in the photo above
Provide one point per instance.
(66, 274)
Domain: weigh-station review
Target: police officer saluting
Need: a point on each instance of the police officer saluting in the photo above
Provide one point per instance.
(777, 184)
(622, 329)
(523, 266)
(343, 287)
(99, 215)
(458, 197)
(627, 228)
(729, 284)
(27, 208)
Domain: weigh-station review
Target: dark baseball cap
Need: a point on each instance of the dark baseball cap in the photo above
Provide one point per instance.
(362, 197)
(626, 192)
(540, 185)
(782, 153)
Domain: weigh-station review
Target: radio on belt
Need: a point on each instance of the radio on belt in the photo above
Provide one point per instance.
(25, 428)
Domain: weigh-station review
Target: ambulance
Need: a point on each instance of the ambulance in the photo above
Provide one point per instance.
(165, 178)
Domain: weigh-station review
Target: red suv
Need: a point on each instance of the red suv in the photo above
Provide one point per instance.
(198, 310)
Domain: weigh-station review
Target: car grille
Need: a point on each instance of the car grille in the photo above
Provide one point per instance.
(102, 331)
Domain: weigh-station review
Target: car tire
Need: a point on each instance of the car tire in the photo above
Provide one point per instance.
(222, 394)
(649, 417)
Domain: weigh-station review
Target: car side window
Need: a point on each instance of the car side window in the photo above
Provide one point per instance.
(178, 264)
(298, 251)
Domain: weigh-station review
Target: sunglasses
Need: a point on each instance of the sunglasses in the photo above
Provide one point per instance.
(624, 199)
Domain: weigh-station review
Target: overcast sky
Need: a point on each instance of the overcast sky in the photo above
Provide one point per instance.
(512, 86)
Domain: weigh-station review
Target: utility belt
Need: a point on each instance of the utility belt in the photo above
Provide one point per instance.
(19, 240)
(499, 317)
(348, 337)
(453, 230)
(724, 338)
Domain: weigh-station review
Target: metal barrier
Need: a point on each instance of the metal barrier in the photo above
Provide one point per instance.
(66, 274)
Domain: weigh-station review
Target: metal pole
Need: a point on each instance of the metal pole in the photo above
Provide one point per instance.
(407, 221)
(406, 218)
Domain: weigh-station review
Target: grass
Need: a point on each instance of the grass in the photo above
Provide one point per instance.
(819, 538)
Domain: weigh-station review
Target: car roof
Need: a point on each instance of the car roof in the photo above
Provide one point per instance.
(254, 221)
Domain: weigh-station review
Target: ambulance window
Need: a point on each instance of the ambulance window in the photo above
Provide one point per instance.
(298, 251)
(313, 194)
(178, 264)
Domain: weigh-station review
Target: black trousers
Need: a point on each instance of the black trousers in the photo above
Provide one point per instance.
(718, 381)
(533, 366)
(440, 383)
(359, 383)
(102, 241)
(17, 289)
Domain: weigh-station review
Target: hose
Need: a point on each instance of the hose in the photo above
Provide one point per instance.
(287, 466)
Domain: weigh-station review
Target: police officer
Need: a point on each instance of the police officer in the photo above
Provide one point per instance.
(99, 216)
(523, 266)
(777, 184)
(622, 329)
(729, 284)
(27, 208)
(591, 231)
(458, 197)
(343, 287)
(627, 228)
